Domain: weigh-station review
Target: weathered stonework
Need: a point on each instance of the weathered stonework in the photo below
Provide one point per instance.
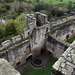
(56, 46)
(37, 28)
(58, 22)
(7, 69)
(66, 63)
(64, 32)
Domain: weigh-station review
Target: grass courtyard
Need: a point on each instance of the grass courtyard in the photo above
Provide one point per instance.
(57, 1)
(71, 40)
(44, 71)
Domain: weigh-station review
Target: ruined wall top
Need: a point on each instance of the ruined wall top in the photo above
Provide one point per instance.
(7, 69)
(38, 18)
(66, 63)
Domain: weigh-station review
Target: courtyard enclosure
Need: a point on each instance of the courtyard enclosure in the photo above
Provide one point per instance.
(37, 38)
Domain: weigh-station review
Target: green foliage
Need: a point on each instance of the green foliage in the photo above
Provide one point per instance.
(20, 23)
(2, 31)
(8, 37)
(10, 28)
(51, 10)
(41, 6)
(63, 24)
(7, 5)
(71, 6)
(11, 16)
(37, 1)
(70, 40)
(1, 1)
(20, 9)
(46, 70)
(2, 8)
(62, 17)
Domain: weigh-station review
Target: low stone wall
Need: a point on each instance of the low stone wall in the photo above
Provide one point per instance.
(66, 63)
(17, 53)
(56, 46)
(64, 32)
(10, 42)
(58, 22)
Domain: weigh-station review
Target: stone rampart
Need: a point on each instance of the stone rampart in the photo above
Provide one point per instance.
(58, 22)
(66, 63)
(56, 46)
(65, 32)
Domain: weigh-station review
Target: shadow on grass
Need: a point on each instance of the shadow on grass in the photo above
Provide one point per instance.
(44, 71)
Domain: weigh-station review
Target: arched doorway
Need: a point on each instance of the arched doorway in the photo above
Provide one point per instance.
(67, 37)
(29, 57)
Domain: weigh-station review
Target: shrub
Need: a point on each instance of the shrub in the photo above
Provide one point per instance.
(41, 6)
(11, 16)
(2, 31)
(10, 28)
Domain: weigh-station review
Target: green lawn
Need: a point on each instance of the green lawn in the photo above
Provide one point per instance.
(57, 1)
(71, 40)
(44, 71)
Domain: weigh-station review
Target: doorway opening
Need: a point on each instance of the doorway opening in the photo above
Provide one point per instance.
(28, 58)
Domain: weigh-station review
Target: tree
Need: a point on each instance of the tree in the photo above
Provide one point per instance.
(37, 1)
(61, 0)
(2, 31)
(51, 4)
(70, 6)
(10, 28)
(20, 9)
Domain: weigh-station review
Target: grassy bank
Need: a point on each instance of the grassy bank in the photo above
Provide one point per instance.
(44, 71)
(57, 1)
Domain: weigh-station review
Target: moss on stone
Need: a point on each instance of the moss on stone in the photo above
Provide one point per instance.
(63, 24)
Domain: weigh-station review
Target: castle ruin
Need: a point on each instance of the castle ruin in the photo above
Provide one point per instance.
(36, 37)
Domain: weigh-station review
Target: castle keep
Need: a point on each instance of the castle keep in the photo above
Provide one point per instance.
(36, 37)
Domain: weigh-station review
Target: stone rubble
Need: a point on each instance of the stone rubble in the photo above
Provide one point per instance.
(67, 62)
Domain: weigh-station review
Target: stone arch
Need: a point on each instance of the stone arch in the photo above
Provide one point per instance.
(30, 57)
(72, 31)
(18, 63)
(28, 33)
(67, 36)
(46, 29)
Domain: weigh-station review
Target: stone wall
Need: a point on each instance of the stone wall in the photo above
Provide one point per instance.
(38, 38)
(64, 32)
(66, 63)
(58, 22)
(18, 53)
(10, 42)
(56, 46)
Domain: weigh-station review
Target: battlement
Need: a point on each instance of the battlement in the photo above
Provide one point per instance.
(38, 19)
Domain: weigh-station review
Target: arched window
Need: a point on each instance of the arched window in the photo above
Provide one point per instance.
(67, 37)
